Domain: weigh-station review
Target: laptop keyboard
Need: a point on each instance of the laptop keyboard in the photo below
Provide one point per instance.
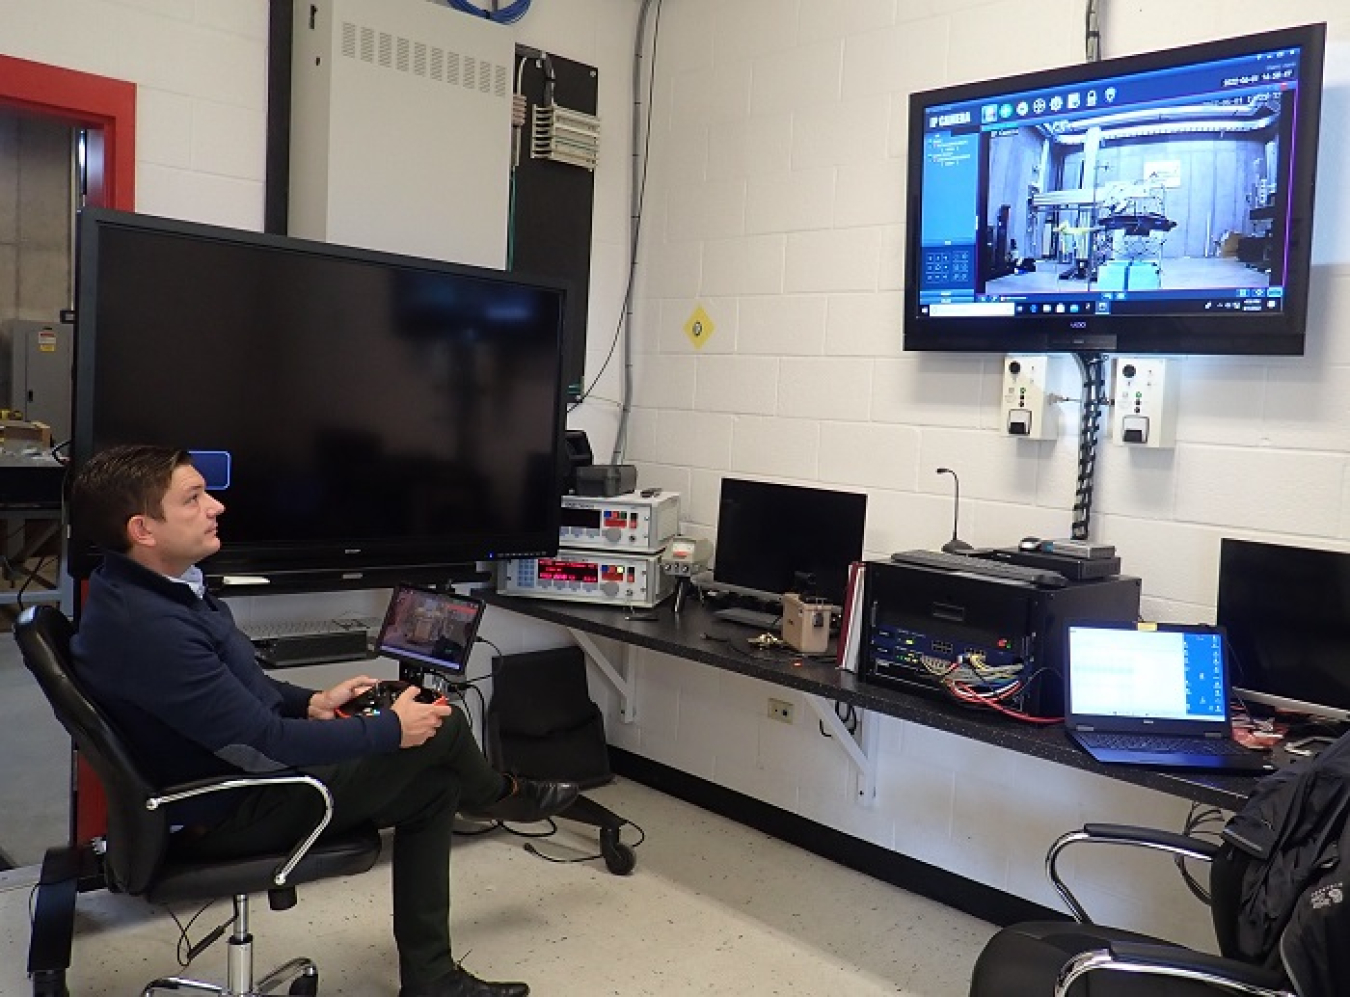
(1161, 743)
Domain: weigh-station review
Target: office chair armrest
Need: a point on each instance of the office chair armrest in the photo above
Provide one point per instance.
(1169, 960)
(186, 791)
(1152, 837)
(1179, 845)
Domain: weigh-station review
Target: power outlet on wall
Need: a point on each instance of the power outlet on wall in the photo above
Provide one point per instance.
(780, 710)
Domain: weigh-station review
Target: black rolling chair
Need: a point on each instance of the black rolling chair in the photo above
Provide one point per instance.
(138, 854)
(543, 725)
(1081, 959)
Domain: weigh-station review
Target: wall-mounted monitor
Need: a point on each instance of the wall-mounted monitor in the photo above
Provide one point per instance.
(775, 538)
(1287, 614)
(356, 411)
(1160, 203)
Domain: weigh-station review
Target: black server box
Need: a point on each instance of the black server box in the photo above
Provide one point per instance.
(916, 618)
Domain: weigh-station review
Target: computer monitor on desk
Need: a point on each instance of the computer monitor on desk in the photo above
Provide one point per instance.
(1287, 613)
(774, 538)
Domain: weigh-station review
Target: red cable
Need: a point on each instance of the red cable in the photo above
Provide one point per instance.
(968, 695)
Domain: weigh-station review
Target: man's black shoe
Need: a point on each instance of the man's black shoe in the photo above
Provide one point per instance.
(461, 983)
(529, 800)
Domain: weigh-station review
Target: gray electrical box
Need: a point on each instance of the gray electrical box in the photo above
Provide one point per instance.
(406, 106)
(39, 372)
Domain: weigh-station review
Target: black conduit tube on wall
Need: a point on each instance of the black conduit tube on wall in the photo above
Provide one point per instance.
(1089, 434)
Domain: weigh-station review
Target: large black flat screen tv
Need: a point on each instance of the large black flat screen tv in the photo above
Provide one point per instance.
(357, 412)
(1159, 203)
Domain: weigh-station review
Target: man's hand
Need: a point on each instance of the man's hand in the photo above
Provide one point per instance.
(323, 705)
(419, 721)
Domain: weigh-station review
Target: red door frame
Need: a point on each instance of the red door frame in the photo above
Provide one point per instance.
(106, 108)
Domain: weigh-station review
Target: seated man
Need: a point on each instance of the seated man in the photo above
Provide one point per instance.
(163, 657)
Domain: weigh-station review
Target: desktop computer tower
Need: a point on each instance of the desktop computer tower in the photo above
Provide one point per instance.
(917, 622)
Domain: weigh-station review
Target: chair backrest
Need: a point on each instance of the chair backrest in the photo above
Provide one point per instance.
(137, 838)
(542, 723)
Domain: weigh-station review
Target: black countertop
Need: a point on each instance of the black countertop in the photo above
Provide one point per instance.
(696, 635)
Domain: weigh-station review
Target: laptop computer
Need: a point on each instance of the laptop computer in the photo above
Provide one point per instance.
(1153, 694)
(430, 632)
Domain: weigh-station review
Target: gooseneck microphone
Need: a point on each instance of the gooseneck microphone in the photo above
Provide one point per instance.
(955, 545)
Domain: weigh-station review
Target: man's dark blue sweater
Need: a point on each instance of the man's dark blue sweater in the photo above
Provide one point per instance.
(181, 683)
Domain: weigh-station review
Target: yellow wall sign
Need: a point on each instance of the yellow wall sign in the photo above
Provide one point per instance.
(698, 327)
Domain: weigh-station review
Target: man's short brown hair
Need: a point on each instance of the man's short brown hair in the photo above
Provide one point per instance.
(118, 483)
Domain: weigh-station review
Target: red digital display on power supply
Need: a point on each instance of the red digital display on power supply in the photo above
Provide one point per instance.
(578, 572)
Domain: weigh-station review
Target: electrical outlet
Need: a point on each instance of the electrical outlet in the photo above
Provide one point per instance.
(780, 710)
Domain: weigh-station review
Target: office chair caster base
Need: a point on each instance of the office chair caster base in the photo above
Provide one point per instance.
(50, 983)
(176, 983)
(302, 973)
(305, 985)
(620, 859)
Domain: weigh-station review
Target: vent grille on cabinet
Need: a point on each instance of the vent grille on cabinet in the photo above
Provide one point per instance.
(406, 55)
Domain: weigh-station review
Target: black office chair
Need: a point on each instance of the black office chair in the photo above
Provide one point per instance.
(1081, 959)
(138, 854)
(543, 725)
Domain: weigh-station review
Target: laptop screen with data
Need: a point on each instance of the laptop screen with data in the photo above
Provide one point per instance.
(1147, 676)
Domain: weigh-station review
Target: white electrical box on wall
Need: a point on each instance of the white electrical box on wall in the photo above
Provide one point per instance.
(401, 129)
(1025, 409)
(1145, 409)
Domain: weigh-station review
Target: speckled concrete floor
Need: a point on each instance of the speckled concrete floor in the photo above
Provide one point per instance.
(713, 908)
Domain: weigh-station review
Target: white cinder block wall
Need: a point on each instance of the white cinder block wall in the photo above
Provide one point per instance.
(774, 196)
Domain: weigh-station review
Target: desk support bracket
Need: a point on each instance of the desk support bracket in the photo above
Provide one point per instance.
(620, 678)
(862, 750)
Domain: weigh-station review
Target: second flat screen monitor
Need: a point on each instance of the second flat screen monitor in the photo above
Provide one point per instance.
(776, 538)
(1287, 613)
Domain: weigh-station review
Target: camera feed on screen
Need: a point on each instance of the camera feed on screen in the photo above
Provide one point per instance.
(1154, 192)
(436, 629)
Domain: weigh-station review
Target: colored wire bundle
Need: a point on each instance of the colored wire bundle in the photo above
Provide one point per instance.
(972, 680)
(509, 14)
